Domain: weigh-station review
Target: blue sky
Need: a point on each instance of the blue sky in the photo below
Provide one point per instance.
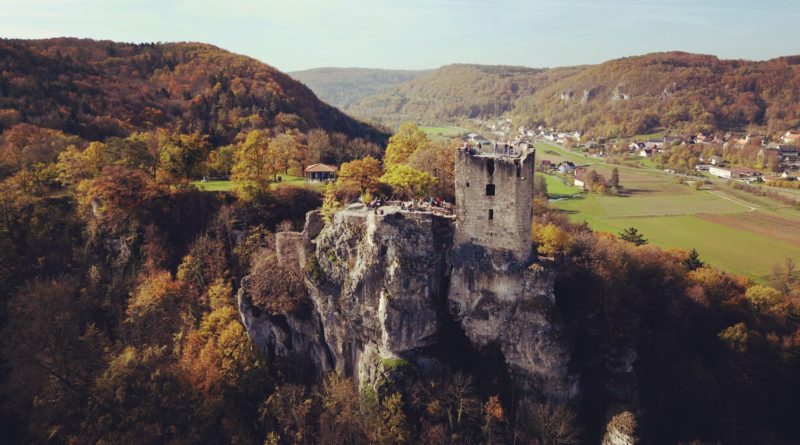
(299, 34)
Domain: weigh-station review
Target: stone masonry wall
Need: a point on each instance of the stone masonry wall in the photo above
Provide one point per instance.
(511, 206)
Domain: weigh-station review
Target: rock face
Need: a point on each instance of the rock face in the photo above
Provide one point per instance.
(386, 284)
(285, 334)
(511, 305)
(378, 283)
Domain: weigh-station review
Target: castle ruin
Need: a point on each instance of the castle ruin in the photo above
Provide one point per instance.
(494, 193)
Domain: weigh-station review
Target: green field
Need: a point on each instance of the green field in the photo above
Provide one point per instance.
(444, 131)
(215, 186)
(227, 186)
(732, 230)
(556, 188)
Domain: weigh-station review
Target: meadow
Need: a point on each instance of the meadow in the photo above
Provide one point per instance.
(229, 186)
(732, 230)
(556, 189)
(446, 132)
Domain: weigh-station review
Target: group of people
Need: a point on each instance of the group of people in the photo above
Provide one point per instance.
(506, 148)
(419, 204)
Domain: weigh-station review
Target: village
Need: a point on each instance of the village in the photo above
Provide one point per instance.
(747, 158)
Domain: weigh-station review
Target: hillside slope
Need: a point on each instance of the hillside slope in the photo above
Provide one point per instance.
(680, 91)
(99, 88)
(453, 92)
(623, 97)
(343, 87)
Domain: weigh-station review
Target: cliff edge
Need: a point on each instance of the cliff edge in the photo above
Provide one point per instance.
(390, 284)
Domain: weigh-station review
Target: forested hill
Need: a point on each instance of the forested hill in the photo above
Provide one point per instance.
(679, 91)
(623, 97)
(344, 86)
(457, 91)
(98, 89)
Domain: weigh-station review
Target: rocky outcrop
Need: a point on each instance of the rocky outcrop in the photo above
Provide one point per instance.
(377, 280)
(511, 305)
(589, 94)
(620, 93)
(385, 285)
(282, 335)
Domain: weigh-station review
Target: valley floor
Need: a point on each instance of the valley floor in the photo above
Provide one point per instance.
(732, 230)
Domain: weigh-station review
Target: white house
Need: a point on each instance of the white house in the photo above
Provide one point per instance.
(566, 167)
(720, 172)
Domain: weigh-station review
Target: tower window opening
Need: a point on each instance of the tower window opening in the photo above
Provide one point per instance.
(468, 184)
(491, 214)
(489, 189)
(490, 167)
(519, 168)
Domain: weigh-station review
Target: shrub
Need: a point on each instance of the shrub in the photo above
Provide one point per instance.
(277, 288)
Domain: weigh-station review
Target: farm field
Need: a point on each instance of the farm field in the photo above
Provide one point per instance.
(733, 230)
(557, 189)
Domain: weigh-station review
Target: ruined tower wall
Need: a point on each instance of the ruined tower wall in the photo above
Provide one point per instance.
(500, 221)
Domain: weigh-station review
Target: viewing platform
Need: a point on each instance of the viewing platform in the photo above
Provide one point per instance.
(497, 150)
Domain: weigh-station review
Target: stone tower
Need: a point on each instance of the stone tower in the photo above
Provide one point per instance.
(494, 193)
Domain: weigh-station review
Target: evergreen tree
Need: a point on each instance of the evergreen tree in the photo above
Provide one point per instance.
(632, 235)
(692, 262)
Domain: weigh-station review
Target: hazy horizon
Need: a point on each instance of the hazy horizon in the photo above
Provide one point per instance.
(419, 34)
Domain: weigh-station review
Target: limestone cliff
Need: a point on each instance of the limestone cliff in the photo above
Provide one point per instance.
(511, 304)
(388, 283)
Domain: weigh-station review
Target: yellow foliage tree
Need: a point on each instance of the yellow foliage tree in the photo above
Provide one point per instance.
(404, 143)
(218, 354)
(362, 173)
(153, 312)
(411, 181)
(551, 239)
(763, 298)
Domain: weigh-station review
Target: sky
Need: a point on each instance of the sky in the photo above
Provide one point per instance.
(415, 34)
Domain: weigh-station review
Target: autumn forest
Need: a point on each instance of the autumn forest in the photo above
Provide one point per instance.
(119, 273)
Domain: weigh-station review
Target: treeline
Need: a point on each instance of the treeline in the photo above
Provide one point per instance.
(98, 89)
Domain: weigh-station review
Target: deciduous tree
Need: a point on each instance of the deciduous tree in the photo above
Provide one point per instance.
(404, 143)
(410, 181)
(362, 173)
